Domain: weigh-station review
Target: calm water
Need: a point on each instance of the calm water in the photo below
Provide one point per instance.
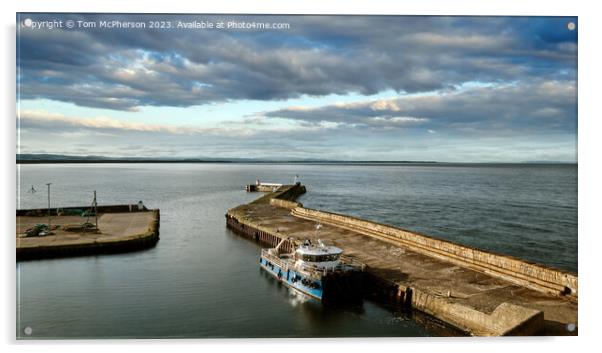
(203, 281)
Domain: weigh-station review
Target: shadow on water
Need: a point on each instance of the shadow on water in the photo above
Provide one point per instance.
(320, 314)
(430, 323)
(312, 310)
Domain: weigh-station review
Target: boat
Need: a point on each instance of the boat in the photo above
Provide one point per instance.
(317, 270)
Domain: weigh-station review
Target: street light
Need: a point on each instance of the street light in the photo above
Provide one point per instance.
(96, 211)
(48, 184)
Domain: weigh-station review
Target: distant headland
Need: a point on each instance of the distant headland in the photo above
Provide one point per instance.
(34, 158)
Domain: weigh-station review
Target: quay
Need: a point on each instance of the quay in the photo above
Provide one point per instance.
(478, 292)
(121, 228)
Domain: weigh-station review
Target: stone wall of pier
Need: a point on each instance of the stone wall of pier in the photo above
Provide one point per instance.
(256, 233)
(56, 211)
(514, 270)
(505, 319)
(285, 204)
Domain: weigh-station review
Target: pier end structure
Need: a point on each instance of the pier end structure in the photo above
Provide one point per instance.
(122, 228)
(262, 187)
(478, 292)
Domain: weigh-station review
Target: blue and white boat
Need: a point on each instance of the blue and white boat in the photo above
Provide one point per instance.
(317, 270)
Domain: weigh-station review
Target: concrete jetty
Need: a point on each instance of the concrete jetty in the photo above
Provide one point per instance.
(121, 228)
(479, 292)
(262, 187)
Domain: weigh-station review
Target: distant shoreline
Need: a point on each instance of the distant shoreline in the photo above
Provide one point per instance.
(183, 161)
(43, 158)
(180, 161)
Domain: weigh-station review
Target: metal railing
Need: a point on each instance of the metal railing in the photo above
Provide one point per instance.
(353, 262)
(344, 265)
(274, 259)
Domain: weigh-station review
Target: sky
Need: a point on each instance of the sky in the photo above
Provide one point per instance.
(420, 88)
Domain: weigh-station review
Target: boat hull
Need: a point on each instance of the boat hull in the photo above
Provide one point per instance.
(293, 279)
(331, 288)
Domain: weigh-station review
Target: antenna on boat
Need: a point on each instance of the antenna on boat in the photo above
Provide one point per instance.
(318, 227)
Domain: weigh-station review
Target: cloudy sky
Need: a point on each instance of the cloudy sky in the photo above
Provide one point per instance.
(455, 89)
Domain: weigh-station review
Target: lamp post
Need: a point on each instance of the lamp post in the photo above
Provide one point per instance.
(95, 211)
(48, 184)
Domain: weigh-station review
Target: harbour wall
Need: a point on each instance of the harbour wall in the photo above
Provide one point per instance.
(291, 205)
(283, 197)
(505, 319)
(145, 240)
(284, 193)
(511, 269)
(55, 211)
(257, 233)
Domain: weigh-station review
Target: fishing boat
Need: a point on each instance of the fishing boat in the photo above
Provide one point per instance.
(317, 270)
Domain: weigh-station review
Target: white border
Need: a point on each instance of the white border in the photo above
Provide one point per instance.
(589, 175)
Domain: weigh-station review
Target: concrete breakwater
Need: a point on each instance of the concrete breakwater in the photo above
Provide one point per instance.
(280, 198)
(123, 228)
(479, 292)
(514, 270)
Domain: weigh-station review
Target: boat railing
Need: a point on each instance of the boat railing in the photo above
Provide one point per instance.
(346, 262)
(343, 266)
(351, 261)
(274, 259)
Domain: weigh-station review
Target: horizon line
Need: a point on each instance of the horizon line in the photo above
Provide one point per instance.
(49, 158)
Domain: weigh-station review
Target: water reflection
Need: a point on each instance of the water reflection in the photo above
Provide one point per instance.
(295, 298)
(316, 313)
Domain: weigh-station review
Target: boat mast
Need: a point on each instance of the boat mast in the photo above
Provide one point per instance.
(318, 226)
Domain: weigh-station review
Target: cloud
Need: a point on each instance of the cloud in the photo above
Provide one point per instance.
(40, 132)
(43, 120)
(317, 56)
(460, 88)
(47, 132)
(541, 107)
(60, 123)
(396, 121)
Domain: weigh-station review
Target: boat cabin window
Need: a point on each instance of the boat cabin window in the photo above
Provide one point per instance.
(319, 258)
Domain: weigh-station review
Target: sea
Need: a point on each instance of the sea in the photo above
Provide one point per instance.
(203, 281)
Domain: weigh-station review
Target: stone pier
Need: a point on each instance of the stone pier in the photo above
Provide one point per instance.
(478, 292)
